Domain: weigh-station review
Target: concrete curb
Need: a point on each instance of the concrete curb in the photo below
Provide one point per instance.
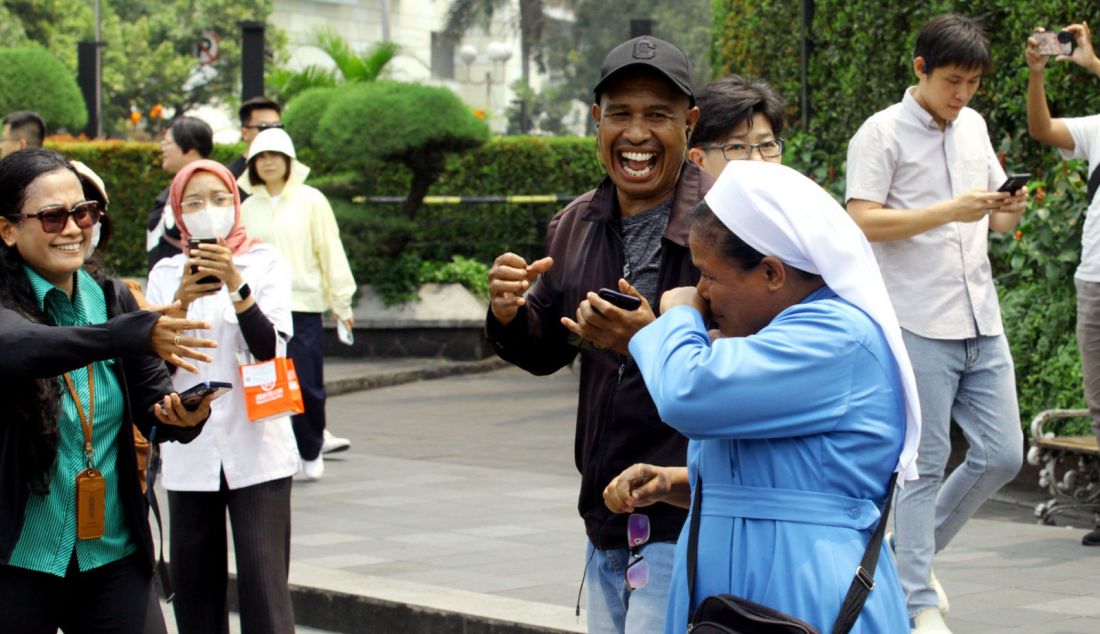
(382, 378)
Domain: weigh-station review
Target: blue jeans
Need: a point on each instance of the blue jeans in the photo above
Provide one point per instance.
(974, 382)
(615, 609)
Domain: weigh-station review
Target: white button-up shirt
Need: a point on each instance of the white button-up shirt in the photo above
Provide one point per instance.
(939, 281)
(248, 452)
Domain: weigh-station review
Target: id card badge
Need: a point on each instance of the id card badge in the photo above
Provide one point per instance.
(91, 496)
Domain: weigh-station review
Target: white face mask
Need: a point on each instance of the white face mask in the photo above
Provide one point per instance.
(210, 222)
(94, 242)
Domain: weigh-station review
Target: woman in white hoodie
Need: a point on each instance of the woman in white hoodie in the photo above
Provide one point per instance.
(298, 220)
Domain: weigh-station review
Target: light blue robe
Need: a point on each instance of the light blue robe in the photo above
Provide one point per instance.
(811, 403)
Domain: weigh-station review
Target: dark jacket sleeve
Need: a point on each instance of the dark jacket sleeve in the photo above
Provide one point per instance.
(35, 350)
(258, 332)
(147, 382)
(535, 340)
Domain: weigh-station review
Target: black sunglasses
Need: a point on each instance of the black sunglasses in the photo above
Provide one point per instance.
(265, 126)
(55, 217)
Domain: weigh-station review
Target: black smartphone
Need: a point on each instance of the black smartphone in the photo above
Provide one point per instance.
(622, 300)
(193, 244)
(192, 396)
(1014, 183)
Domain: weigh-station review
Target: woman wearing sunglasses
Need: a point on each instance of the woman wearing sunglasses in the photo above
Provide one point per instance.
(798, 413)
(79, 364)
(242, 287)
(282, 210)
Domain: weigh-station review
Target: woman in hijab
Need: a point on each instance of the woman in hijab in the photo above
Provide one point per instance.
(796, 412)
(242, 287)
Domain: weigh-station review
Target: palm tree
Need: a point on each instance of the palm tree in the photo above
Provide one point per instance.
(351, 67)
(463, 15)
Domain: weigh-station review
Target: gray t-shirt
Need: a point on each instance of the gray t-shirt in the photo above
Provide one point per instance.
(642, 235)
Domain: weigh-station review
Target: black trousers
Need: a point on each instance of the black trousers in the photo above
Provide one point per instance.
(306, 348)
(260, 519)
(117, 598)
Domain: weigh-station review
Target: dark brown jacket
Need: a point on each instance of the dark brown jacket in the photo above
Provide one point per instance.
(617, 422)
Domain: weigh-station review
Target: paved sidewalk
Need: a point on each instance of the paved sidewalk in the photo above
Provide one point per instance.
(455, 511)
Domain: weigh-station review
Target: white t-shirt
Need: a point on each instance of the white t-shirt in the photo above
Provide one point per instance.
(248, 452)
(1086, 144)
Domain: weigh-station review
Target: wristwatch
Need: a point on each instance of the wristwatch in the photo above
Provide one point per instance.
(241, 293)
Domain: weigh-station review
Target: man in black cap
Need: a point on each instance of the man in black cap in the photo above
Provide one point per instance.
(628, 235)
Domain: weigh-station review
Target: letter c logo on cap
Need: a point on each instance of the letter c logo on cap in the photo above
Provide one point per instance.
(644, 49)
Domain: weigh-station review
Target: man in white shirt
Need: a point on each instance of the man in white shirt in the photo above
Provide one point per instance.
(1076, 138)
(922, 181)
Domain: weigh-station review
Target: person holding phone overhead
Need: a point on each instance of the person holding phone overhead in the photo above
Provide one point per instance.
(922, 181)
(79, 362)
(239, 465)
(1076, 138)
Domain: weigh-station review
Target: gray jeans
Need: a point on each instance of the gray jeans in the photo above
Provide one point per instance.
(973, 382)
(1088, 344)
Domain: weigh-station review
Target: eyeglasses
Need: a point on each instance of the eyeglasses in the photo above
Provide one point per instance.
(55, 218)
(197, 204)
(742, 151)
(264, 126)
(637, 534)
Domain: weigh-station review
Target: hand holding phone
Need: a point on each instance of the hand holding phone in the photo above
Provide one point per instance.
(1014, 182)
(193, 246)
(621, 300)
(192, 396)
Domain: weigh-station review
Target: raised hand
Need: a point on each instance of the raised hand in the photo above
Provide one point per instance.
(509, 277)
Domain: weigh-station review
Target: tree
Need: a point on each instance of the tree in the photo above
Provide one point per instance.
(351, 67)
(464, 15)
(150, 51)
(33, 79)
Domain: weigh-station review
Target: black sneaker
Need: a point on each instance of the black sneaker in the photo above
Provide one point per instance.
(1092, 539)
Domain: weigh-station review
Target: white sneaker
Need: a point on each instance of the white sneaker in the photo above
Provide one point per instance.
(945, 605)
(332, 444)
(929, 621)
(314, 469)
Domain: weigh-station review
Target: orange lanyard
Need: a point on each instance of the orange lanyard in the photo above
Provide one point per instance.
(85, 421)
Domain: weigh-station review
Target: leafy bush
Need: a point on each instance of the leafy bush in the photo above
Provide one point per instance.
(302, 116)
(472, 274)
(32, 78)
(411, 124)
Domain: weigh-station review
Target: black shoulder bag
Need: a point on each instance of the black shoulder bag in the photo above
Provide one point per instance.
(729, 614)
(1094, 184)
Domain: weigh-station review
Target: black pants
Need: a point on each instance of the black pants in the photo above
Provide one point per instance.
(306, 348)
(260, 517)
(117, 598)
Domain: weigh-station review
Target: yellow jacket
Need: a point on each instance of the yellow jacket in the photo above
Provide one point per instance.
(303, 228)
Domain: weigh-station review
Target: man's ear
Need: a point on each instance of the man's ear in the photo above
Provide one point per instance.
(695, 155)
(596, 112)
(7, 231)
(918, 67)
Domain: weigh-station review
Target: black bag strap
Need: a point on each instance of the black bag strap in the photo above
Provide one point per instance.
(1094, 183)
(862, 583)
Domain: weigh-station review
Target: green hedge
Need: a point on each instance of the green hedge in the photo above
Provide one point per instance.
(506, 165)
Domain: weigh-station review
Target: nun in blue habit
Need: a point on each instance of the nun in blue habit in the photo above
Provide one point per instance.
(797, 411)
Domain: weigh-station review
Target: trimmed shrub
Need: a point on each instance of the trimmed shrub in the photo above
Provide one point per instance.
(302, 116)
(32, 78)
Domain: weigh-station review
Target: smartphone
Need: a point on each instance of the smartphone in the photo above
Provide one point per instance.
(1054, 42)
(192, 396)
(622, 300)
(1014, 183)
(193, 244)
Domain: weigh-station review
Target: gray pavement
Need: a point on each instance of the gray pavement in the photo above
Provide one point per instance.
(455, 511)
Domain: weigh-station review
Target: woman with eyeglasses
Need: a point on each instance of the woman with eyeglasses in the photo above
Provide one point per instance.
(282, 210)
(242, 287)
(79, 363)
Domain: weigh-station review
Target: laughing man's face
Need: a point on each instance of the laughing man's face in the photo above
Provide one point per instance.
(643, 128)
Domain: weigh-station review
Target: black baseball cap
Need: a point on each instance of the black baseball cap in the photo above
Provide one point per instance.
(663, 57)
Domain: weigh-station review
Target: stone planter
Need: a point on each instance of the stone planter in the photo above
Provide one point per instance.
(448, 321)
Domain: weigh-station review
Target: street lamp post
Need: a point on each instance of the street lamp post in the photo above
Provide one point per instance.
(498, 53)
